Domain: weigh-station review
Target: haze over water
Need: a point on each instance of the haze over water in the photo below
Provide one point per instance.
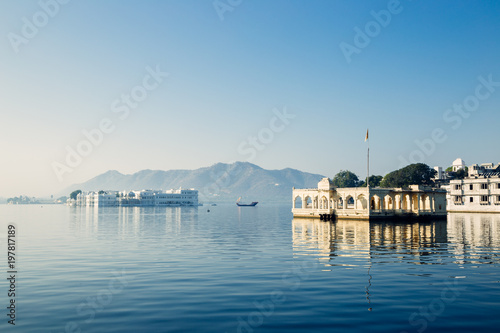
(132, 269)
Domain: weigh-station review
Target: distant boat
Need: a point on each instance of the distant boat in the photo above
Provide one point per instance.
(246, 205)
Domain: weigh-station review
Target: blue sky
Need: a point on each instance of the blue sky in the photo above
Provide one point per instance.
(227, 80)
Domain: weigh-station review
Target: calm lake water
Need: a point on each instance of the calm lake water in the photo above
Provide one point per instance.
(130, 269)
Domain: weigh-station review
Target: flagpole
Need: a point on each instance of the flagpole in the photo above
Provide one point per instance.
(368, 161)
(368, 172)
(368, 166)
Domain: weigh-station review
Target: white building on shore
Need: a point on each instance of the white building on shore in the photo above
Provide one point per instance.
(169, 198)
(106, 199)
(458, 164)
(478, 192)
(328, 201)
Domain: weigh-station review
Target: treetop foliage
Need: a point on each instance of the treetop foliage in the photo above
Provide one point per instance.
(74, 194)
(413, 174)
(345, 178)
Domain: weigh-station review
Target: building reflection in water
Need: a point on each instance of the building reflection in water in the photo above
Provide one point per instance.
(474, 238)
(133, 220)
(461, 238)
(327, 240)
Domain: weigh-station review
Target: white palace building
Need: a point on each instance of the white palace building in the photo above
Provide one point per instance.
(479, 192)
(364, 203)
(170, 198)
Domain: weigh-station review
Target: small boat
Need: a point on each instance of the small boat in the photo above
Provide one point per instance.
(246, 205)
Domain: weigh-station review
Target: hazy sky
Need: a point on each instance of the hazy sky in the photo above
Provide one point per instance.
(186, 84)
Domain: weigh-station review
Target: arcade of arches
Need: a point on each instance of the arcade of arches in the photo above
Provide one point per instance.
(362, 202)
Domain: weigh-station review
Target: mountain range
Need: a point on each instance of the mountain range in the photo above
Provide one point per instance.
(219, 182)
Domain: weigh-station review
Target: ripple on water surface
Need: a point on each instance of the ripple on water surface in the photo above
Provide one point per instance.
(130, 269)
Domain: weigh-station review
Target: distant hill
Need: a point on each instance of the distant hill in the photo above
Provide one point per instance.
(219, 182)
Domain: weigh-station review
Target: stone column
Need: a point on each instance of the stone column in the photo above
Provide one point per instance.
(418, 203)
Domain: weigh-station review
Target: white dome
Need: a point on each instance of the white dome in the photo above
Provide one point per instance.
(458, 162)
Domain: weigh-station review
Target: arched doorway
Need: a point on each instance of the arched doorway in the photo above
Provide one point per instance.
(297, 202)
(308, 202)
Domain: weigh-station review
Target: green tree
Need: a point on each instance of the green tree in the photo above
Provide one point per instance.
(374, 181)
(462, 173)
(413, 174)
(74, 194)
(345, 178)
